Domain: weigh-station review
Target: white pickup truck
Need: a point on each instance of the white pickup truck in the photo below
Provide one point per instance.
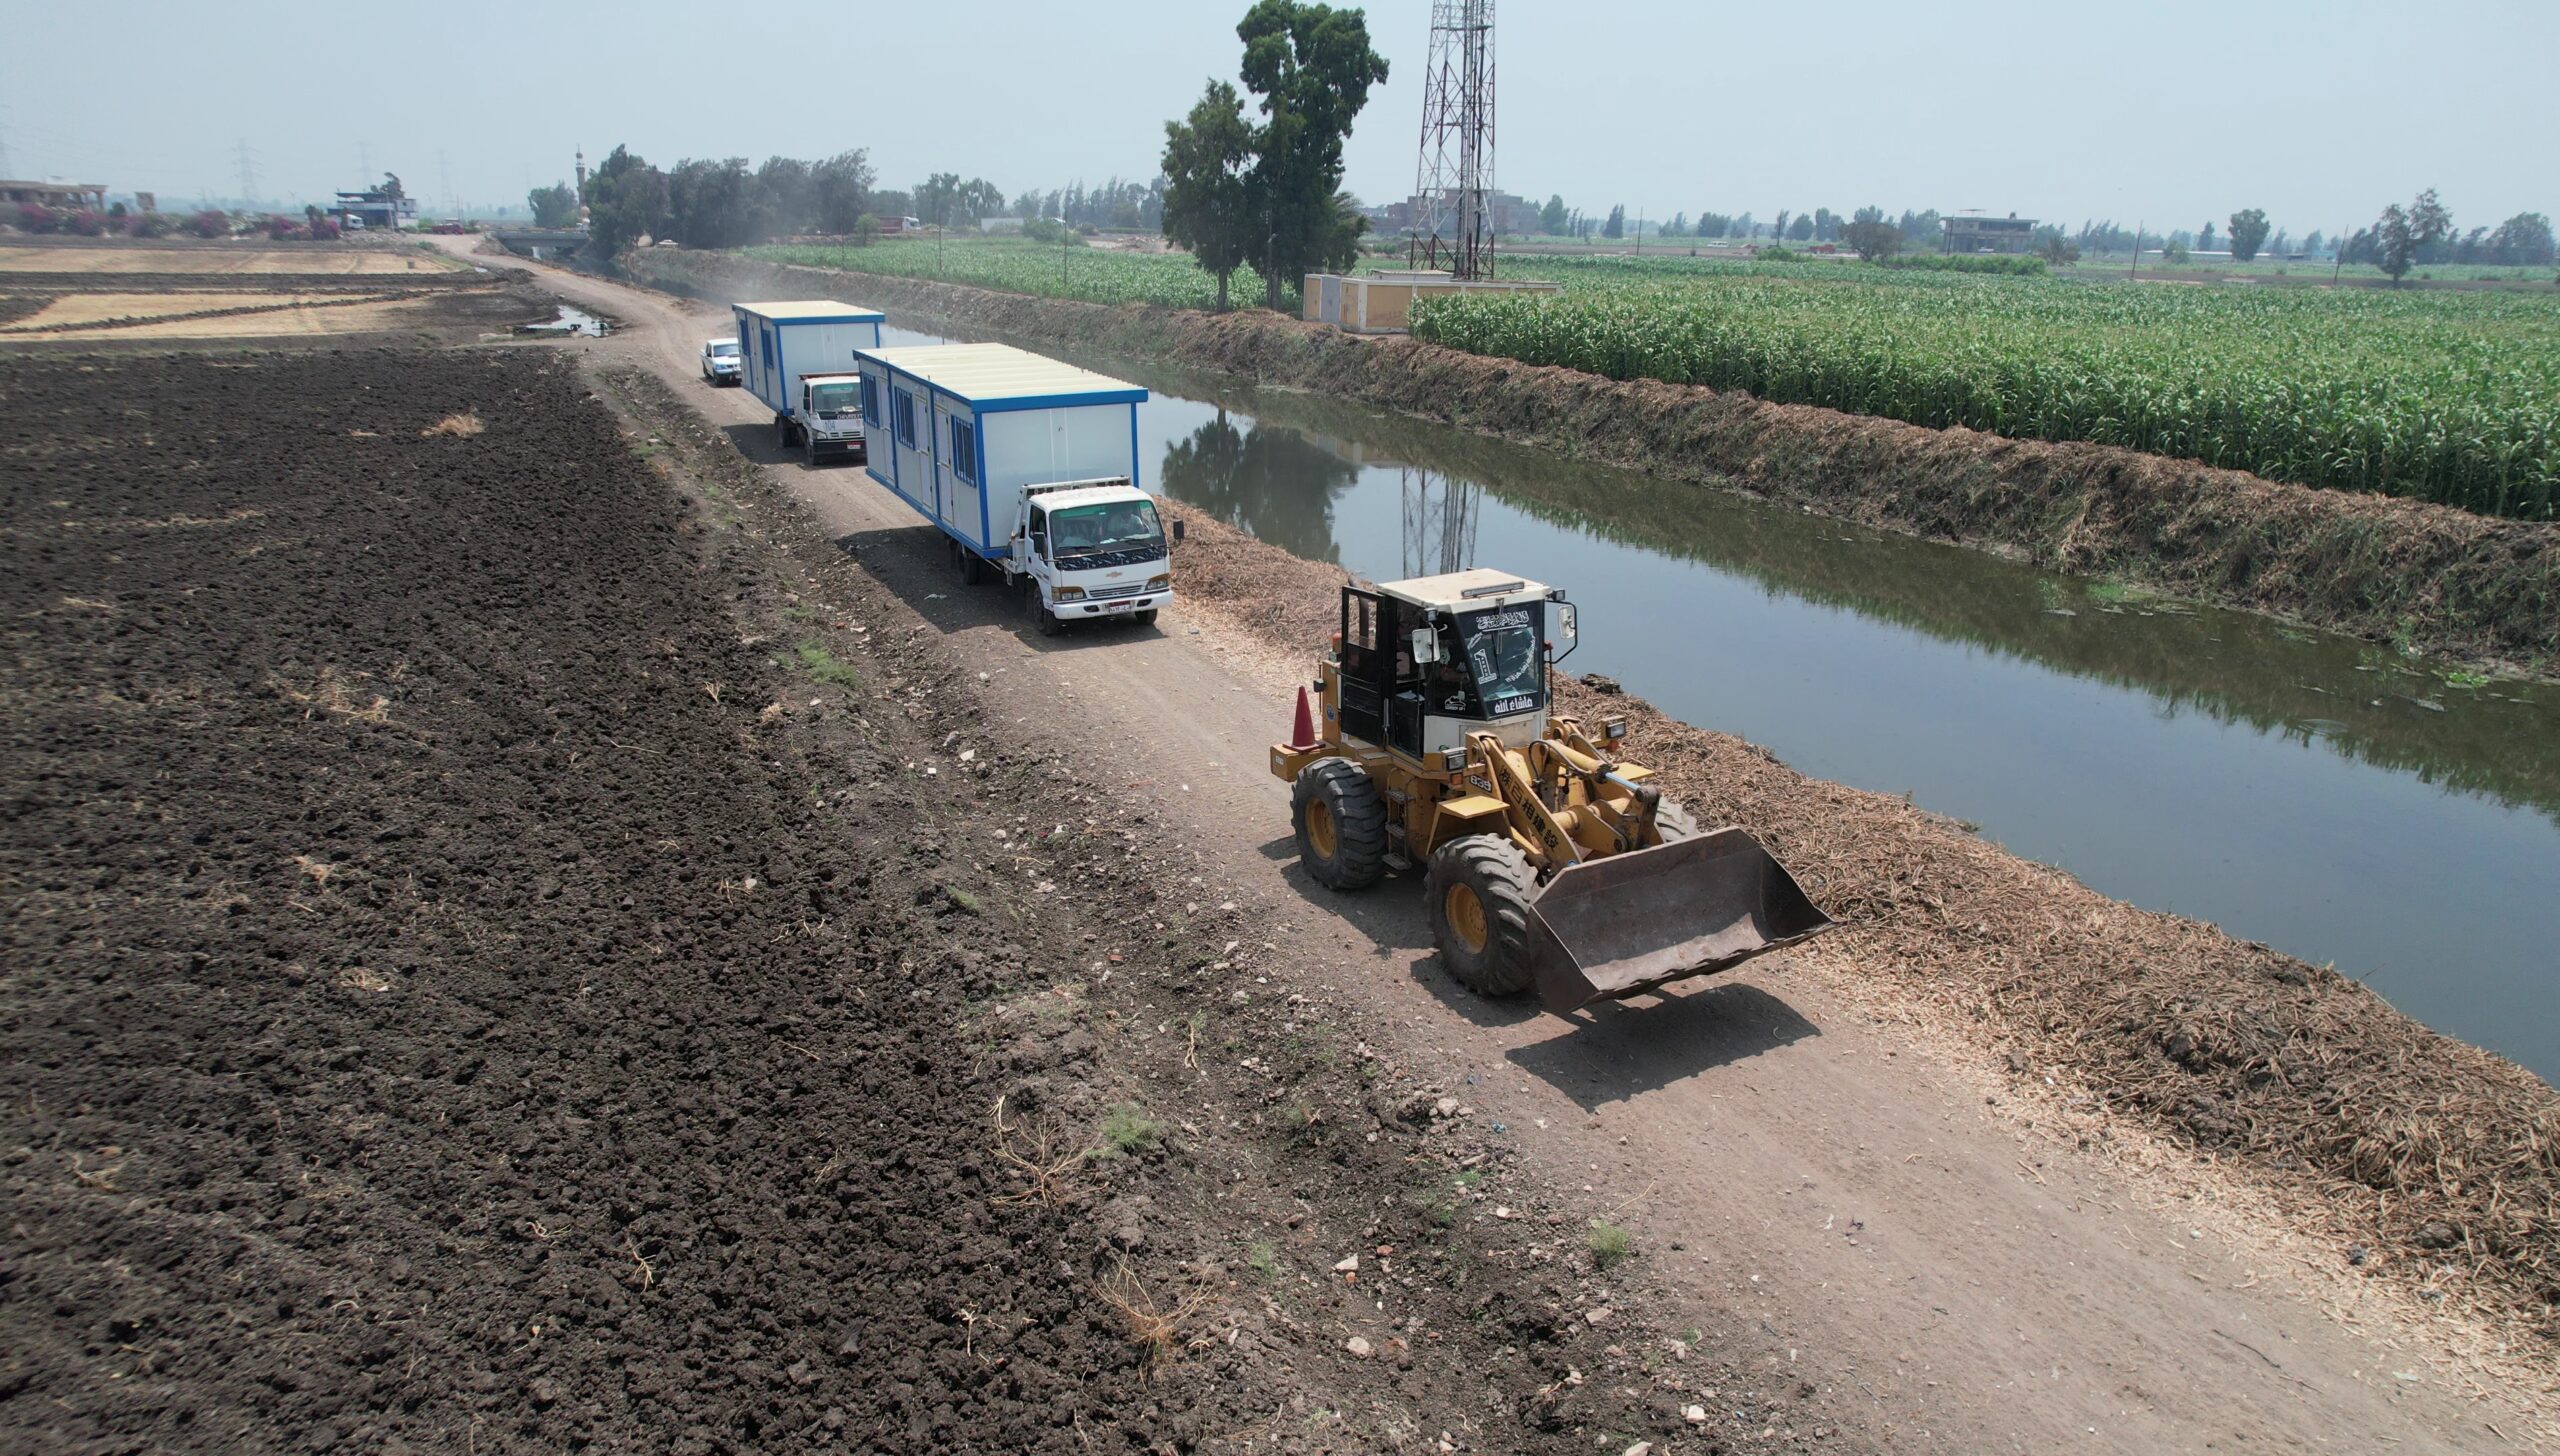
(720, 361)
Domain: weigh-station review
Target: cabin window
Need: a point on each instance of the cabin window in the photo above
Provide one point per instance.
(870, 400)
(905, 404)
(964, 450)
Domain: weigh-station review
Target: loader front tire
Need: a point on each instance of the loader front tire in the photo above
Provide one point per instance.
(1673, 821)
(1478, 892)
(1341, 823)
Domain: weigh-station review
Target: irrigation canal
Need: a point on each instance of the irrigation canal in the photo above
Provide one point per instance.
(2326, 796)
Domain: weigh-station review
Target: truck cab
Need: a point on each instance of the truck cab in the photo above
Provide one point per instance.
(830, 417)
(1091, 549)
(720, 361)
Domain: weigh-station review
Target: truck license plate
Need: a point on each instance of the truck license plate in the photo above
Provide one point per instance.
(1117, 606)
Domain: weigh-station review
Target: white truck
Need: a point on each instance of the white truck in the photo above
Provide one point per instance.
(780, 344)
(1029, 467)
(830, 417)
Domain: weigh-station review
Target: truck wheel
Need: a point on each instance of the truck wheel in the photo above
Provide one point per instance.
(1341, 822)
(1144, 616)
(973, 567)
(1478, 892)
(1673, 821)
(1050, 626)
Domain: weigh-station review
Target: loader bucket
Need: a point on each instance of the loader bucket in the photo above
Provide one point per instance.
(1630, 923)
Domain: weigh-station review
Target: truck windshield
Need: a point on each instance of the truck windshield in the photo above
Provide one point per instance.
(834, 401)
(1501, 651)
(725, 349)
(1117, 526)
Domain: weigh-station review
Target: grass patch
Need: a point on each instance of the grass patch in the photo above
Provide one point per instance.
(824, 665)
(1609, 1244)
(1263, 1258)
(1127, 1130)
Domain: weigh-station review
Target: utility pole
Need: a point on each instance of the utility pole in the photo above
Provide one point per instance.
(2134, 268)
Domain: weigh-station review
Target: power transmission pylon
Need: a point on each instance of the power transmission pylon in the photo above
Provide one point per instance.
(1439, 522)
(248, 176)
(1453, 185)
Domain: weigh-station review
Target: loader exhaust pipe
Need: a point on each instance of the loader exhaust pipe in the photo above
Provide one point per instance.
(1626, 924)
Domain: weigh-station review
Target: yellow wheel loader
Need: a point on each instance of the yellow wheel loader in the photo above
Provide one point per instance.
(1550, 864)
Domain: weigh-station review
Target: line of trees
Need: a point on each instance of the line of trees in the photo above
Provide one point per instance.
(2423, 233)
(1269, 193)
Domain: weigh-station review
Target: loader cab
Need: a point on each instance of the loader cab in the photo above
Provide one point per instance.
(1426, 662)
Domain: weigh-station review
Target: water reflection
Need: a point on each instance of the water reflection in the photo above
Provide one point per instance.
(1278, 484)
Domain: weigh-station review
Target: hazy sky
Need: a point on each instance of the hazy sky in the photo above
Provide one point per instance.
(2167, 111)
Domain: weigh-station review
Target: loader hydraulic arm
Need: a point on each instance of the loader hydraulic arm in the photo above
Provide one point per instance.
(1531, 819)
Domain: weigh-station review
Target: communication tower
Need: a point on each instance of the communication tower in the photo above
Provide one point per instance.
(1453, 187)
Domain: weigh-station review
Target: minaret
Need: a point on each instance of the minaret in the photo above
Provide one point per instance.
(582, 189)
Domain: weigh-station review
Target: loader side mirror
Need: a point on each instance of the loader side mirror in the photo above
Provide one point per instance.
(1426, 647)
(1565, 625)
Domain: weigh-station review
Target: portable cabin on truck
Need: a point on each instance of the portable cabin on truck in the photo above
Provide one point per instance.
(1030, 467)
(783, 344)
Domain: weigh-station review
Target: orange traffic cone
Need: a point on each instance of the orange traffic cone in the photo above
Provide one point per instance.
(1302, 730)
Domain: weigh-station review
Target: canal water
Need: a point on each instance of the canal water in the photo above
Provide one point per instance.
(2328, 797)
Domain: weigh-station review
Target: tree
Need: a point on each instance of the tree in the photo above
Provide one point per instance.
(2430, 225)
(1551, 217)
(626, 201)
(2395, 242)
(2312, 244)
(840, 191)
(2204, 239)
(2057, 249)
(1801, 230)
(1779, 229)
(1826, 225)
(1312, 66)
(555, 206)
(1207, 202)
(1616, 226)
(2524, 238)
(945, 201)
(1872, 239)
(783, 198)
(2248, 233)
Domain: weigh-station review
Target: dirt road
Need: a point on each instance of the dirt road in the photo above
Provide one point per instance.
(1774, 1150)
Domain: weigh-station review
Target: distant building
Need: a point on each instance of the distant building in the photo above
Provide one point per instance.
(1971, 232)
(1512, 213)
(89, 195)
(376, 209)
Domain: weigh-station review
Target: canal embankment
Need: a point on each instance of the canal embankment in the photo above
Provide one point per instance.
(2423, 577)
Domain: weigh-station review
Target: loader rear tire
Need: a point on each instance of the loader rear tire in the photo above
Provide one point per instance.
(1341, 823)
(1673, 821)
(1478, 892)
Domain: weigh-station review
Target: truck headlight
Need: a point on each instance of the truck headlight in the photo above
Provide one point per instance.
(1068, 594)
(1159, 583)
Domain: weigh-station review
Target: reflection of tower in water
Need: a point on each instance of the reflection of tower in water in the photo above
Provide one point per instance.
(1439, 522)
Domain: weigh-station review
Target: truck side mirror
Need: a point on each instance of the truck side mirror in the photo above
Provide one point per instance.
(1177, 532)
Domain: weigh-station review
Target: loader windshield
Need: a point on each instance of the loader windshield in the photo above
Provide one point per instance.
(1501, 651)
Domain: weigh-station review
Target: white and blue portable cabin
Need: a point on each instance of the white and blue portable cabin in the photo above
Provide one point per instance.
(778, 343)
(958, 430)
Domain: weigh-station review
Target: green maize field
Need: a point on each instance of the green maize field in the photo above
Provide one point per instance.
(2442, 396)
